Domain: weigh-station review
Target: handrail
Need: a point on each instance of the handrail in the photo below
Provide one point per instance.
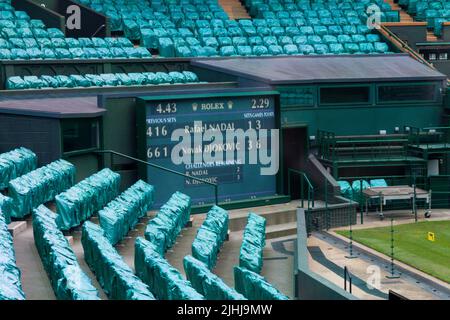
(113, 153)
(348, 276)
(404, 47)
(303, 177)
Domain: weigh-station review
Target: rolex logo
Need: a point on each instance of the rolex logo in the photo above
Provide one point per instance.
(230, 104)
(194, 106)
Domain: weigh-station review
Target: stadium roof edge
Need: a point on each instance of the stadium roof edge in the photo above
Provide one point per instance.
(325, 69)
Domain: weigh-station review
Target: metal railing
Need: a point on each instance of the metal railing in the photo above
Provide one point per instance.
(303, 179)
(348, 276)
(113, 153)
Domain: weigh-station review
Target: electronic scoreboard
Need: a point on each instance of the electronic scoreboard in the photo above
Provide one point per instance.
(172, 134)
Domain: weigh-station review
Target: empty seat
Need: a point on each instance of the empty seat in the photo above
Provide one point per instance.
(40, 186)
(81, 201)
(210, 236)
(164, 281)
(207, 283)
(254, 287)
(10, 282)
(253, 243)
(123, 213)
(68, 280)
(114, 275)
(163, 230)
(16, 163)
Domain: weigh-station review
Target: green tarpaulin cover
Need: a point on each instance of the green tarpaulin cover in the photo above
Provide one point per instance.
(254, 287)
(163, 230)
(210, 236)
(114, 275)
(207, 283)
(68, 280)
(40, 186)
(81, 201)
(164, 281)
(16, 163)
(123, 213)
(253, 243)
(10, 285)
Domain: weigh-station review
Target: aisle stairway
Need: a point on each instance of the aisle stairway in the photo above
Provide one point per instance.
(404, 16)
(234, 9)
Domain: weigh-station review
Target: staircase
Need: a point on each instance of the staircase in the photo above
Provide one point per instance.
(234, 9)
(431, 36)
(404, 16)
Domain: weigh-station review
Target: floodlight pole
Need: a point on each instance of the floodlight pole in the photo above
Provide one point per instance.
(393, 275)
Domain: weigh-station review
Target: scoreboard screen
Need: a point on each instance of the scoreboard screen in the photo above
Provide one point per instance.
(175, 126)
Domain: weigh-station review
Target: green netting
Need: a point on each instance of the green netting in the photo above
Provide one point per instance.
(163, 230)
(10, 285)
(16, 163)
(40, 186)
(210, 236)
(207, 283)
(254, 287)
(68, 280)
(114, 275)
(253, 243)
(123, 213)
(81, 201)
(346, 189)
(164, 281)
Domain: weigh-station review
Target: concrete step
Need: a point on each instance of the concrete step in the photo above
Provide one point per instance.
(234, 9)
(281, 230)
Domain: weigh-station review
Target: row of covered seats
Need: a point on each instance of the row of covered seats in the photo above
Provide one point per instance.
(100, 80)
(319, 8)
(6, 206)
(207, 283)
(254, 287)
(253, 243)
(23, 38)
(10, 283)
(81, 201)
(114, 275)
(16, 163)
(433, 12)
(40, 186)
(353, 191)
(122, 214)
(210, 236)
(164, 281)
(162, 231)
(132, 15)
(68, 280)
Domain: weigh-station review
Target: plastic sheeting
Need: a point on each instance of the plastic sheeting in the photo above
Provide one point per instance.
(254, 287)
(163, 230)
(210, 236)
(6, 205)
(101, 80)
(10, 285)
(207, 283)
(81, 201)
(16, 163)
(164, 281)
(378, 183)
(123, 213)
(114, 275)
(253, 243)
(40, 186)
(68, 280)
